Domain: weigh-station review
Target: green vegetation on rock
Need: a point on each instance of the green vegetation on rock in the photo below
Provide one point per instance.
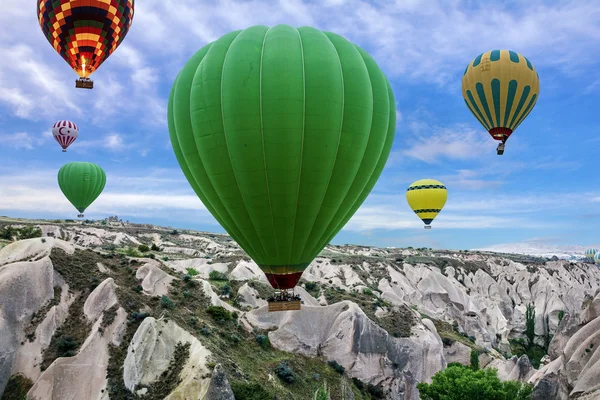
(17, 388)
(458, 382)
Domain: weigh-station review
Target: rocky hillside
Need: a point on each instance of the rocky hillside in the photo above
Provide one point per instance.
(111, 310)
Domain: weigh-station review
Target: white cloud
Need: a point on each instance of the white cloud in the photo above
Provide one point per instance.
(456, 143)
(114, 142)
(147, 196)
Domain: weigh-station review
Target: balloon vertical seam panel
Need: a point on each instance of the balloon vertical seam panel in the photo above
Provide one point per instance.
(85, 33)
(375, 146)
(182, 131)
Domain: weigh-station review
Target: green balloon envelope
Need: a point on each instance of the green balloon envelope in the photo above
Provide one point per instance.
(282, 133)
(81, 183)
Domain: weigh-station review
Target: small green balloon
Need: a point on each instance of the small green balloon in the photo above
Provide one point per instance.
(81, 183)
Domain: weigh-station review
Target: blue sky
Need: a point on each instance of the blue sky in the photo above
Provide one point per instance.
(544, 188)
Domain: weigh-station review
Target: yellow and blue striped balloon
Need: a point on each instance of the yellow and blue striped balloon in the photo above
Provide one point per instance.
(427, 197)
(500, 88)
(590, 253)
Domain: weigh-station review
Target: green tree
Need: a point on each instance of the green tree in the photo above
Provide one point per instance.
(530, 323)
(474, 360)
(458, 382)
(517, 390)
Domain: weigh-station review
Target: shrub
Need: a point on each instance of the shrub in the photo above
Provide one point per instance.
(143, 248)
(530, 323)
(17, 388)
(166, 302)
(66, 346)
(561, 315)
(154, 247)
(192, 271)
(474, 360)
(29, 232)
(250, 391)
(217, 276)
(218, 313)
(337, 367)
(367, 291)
(284, 372)
(132, 252)
(458, 382)
(375, 391)
(263, 341)
(225, 290)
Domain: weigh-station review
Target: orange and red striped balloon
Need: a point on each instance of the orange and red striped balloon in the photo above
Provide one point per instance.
(85, 32)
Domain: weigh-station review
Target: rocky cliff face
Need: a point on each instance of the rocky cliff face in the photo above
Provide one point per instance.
(88, 312)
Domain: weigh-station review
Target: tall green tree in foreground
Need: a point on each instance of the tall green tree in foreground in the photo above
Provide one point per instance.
(458, 382)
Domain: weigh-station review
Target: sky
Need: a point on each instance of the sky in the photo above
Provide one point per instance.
(543, 189)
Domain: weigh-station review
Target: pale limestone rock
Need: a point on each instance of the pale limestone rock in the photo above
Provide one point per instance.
(151, 351)
(84, 375)
(155, 281)
(102, 298)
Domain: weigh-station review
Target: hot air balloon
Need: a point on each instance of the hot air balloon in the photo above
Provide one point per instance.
(65, 133)
(81, 183)
(427, 197)
(500, 88)
(282, 133)
(590, 253)
(85, 32)
(597, 259)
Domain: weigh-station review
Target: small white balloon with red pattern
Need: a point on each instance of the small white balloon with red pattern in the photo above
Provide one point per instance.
(65, 133)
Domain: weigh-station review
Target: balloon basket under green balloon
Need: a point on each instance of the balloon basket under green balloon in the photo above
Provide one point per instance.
(284, 300)
(79, 215)
(285, 305)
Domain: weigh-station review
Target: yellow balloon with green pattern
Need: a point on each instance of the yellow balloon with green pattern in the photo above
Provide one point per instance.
(500, 88)
(427, 197)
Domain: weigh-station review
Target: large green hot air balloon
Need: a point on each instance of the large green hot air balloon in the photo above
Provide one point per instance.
(81, 183)
(282, 133)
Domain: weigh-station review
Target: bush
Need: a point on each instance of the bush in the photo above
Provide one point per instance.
(66, 346)
(250, 391)
(192, 271)
(154, 247)
(166, 302)
(263, 341)
(143, 248)
(225, 290)
(367, 291)
(17, 388)
(375, 391)
(132, 252)
(284, 372)
(474, 360)
(217, 276)
(530, 323)
(458, 382)
(219, 313)
(29, 232)
(337, 367)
